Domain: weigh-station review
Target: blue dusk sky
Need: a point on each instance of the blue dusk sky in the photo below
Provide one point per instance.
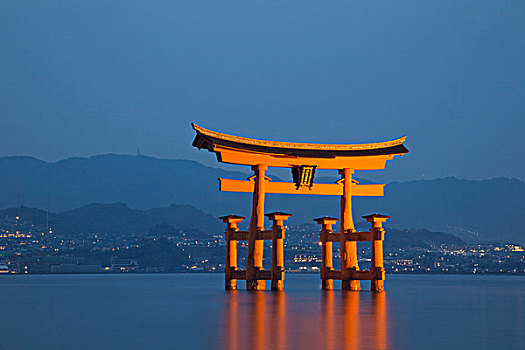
(79, 78)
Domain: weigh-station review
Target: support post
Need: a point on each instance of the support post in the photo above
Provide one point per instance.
(327, 248)
(231, 222)
(377, 283)
(278, 249)
(254, 260)
(348, 249)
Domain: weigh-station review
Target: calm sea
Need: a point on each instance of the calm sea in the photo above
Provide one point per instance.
(192, 311)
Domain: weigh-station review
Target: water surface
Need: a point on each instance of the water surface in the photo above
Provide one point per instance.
(192, 311)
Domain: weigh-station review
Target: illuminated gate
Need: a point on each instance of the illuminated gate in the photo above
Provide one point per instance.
(303, 159)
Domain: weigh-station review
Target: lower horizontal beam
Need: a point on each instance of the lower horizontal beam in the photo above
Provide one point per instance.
(261, 235)
(333, 237)
(334, 275)
(259, 275)
(358, 236)
(263, 274)
(239, 274)
(239, 236)
(351, 236)
(230, 185)
(267, 235)
(363, 275)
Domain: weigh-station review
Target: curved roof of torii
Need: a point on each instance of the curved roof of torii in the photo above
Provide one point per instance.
(208, 139)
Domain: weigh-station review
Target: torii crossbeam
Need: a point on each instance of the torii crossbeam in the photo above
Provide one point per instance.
(303, 159)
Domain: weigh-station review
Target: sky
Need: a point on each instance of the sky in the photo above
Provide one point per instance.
(81, 78)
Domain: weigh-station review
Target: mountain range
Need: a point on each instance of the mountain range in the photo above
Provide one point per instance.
(119, 219)
(475, 210)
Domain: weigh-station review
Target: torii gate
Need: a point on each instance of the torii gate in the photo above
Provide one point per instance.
(303, 159)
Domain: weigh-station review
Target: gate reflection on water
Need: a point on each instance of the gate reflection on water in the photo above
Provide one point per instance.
(334, 320)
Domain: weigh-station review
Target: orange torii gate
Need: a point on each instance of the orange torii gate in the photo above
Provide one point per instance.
(303, 159)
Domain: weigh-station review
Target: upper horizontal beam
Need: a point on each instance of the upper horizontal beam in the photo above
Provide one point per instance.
(234, 156)
(230, 185)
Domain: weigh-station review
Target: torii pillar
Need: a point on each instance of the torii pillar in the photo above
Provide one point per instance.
(348, 249)
(254, 260)
(278, 249)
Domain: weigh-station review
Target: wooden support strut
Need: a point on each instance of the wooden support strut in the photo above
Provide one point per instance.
(276, 235)
(377, 267)
(231, 250)
(376, 273)
(278, 249)
(327, 247)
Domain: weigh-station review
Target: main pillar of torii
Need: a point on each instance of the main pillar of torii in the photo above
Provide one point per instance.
(303, 159)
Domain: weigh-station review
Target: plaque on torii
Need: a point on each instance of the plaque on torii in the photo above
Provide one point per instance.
(303, 159)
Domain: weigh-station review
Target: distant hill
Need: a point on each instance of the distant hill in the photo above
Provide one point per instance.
(411, 238)
(394, 238)
(486, 210)
(118, 218)
(490, 210)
